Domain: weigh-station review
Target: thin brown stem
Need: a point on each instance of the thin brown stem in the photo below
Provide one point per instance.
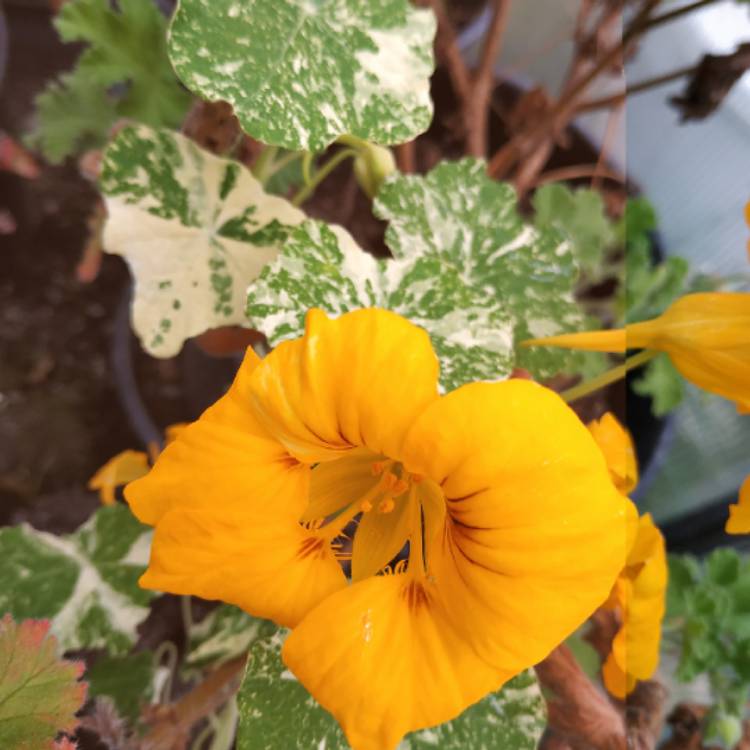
(565, 107)
(406, 157)
(650, 83)
(479, 99)
(610, 134)
(577, 709)
(677, 13)
(577, 172)
(447, 45)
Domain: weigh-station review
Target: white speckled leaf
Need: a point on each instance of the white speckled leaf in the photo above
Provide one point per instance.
(460, 215)
(225, 633)
(322, 266)
(194, 228)
(86, 582)
(514, 718)
(300, 73)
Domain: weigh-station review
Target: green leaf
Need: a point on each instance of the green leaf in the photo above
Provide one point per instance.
(123, 72)
(578, 214)
(638, 222)
(71, 116)
(300, 73)
(195, 229)
(662, 383)
(723, 566)
(649, 288)
(322, 266)
(511, 719)
(470, 222)
(127, 46)
(128, 680)
(86, 582)
(39, 693)
(225, 633)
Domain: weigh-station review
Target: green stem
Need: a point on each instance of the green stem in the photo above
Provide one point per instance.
(307, 162)
(284, 161)
(264, 162)
(606, 378)
(321, 174)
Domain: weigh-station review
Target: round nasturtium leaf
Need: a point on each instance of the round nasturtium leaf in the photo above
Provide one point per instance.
(300, 73)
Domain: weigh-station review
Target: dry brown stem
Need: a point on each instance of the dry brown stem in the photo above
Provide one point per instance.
(171, 725)
(579, 711)
(478, 103)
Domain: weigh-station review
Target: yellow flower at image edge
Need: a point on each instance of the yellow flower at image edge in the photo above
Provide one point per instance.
(337, 447)
(739, 514)
(707, 337)
(639, 594)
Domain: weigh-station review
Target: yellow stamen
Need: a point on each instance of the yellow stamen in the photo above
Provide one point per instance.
(378, 467)
(365, 506)
(386, 505)
(390, 480)
(400, 487)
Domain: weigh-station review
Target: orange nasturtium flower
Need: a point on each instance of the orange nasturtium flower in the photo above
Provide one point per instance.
(706, 335)
(516, 533)
(739, 514)
(639, 594)
(126, 467)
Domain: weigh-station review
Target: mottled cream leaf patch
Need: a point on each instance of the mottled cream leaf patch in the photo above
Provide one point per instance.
(194, 228)
(300, 73)
(322, 266)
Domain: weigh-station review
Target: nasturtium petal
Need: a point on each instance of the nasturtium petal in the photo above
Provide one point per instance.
(300, 73)
(322, 266)
(356, 381)
(256, 561)
(534, 523)
(739, 513)
(396, 651)
(226, 460)
(194, 228)
(458, 214)
(85, 583)
(513, 718)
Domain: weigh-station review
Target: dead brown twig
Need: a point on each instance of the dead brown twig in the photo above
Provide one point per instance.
(171, 724)
(564, 109)
(478, 103)
(579, 711)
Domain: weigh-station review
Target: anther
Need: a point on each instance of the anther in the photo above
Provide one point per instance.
(377, 467)
(365, 506)
(416, 478)
(386, 505)
(390, 480)
(400, 487)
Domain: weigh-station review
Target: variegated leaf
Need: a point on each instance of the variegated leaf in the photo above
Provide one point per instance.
(458, 214)
(225, 633)
(86, 582)
(194, 228)
(300, 73)
(514, 718)
(323, 267)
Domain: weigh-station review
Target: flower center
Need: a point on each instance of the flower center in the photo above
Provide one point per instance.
(366, 507)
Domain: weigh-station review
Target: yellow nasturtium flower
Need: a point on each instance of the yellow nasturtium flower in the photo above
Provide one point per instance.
(617, 446)
(126, 467)
(707, 337)
(639, 594)
(515, 532)
(739, 514)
